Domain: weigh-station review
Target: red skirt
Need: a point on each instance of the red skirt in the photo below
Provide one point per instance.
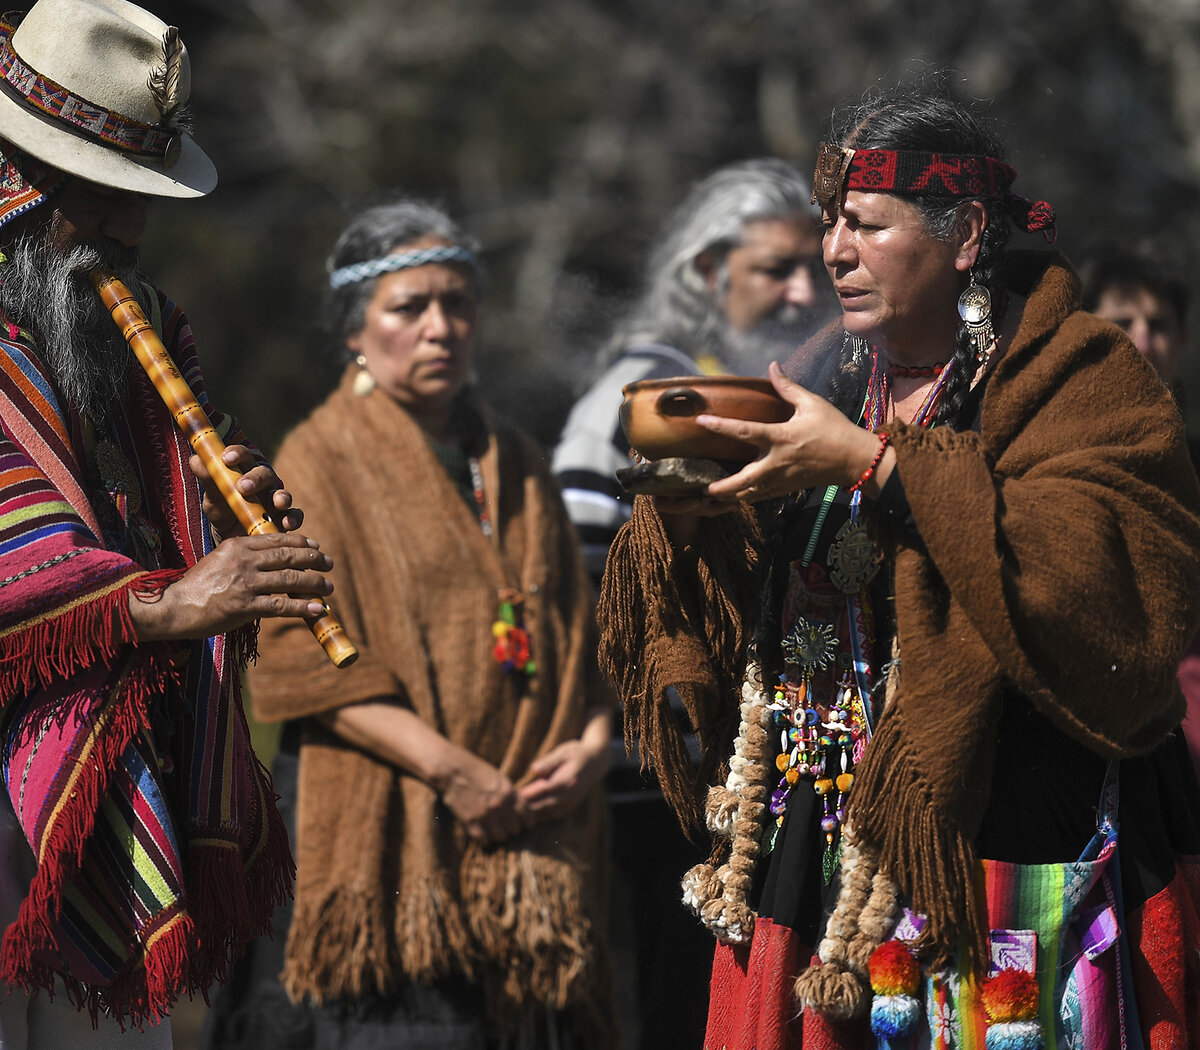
(751, 1005)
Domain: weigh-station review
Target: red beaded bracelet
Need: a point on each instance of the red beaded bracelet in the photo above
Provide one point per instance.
(883, 444)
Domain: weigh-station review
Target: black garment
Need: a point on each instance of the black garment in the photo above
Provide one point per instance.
(662, 957)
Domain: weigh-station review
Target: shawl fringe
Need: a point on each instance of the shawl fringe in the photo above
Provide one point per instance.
(233, 900)
(348, 926)
(526, 912)
(142, 997)
(525, 932)
(161, 964)
(87, 632)
(921, 848)
(703, 641)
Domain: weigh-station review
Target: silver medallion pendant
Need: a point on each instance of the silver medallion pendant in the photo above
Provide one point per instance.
(975, 307)
(852, 560)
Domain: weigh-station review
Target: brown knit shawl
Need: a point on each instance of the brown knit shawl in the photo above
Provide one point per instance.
(1059, 556)
(387, 882)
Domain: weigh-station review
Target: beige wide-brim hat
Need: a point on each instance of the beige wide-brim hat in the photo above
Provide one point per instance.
(77, 92)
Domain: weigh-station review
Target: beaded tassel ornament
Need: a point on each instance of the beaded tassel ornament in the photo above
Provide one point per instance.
(820, 741)
(512, 650)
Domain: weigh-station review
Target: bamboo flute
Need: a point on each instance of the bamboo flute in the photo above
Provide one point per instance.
(194, 422)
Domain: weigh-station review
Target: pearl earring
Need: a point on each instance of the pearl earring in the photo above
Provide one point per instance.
(364, 382)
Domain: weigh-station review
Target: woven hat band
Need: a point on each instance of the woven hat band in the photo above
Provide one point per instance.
(40, 93)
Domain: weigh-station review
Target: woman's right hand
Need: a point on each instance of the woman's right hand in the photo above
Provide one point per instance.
(485, 801)
(243, 579)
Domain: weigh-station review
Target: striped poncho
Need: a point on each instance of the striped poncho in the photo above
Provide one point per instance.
(159, 850)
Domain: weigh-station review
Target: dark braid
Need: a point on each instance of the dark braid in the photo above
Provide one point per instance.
(924, 116)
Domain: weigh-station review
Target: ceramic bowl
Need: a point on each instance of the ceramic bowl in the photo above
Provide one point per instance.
(659, 415)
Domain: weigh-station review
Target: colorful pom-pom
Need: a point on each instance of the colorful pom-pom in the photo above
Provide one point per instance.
(1010, 995)
(512, 650)
(894, 1016)
(1015, 1035)
(894, 969)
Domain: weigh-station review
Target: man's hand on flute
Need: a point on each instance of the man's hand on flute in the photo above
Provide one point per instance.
(258, 483)
(243, 579)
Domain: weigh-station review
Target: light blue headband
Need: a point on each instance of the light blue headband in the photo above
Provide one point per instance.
(364, 271)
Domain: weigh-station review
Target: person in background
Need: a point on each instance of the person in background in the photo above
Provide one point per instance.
(140, 840)
(1148, 298)
(732, 283)
(449, 820)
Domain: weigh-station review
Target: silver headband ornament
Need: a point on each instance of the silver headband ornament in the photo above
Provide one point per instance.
(364, 271)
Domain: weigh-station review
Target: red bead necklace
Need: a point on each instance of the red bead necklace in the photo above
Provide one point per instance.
(919, 372)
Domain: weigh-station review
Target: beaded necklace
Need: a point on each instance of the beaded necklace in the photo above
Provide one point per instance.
(823, 737)
(513, 647)
(485, 521)
(879, 395)
(916, 372)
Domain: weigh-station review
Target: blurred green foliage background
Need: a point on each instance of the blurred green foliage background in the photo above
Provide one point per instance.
(562, 131)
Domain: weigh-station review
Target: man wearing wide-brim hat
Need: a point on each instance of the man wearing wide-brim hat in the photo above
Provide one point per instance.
(140, 847)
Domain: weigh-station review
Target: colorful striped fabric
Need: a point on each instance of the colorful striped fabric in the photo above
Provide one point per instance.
(1060, 922)
(159, 848)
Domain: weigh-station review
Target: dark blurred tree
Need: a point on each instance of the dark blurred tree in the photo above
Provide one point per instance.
(562, 132)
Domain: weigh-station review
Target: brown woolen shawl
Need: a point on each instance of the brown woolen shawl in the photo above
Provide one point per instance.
(388, 883)
(1060, 556)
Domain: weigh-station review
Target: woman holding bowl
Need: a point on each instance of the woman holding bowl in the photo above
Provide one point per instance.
(950, 591)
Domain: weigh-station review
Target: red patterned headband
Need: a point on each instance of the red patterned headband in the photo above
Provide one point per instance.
(50, 99)
(911, 173)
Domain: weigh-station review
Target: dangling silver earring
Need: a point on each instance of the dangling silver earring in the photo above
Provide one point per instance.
(975, 311)
(364, 382)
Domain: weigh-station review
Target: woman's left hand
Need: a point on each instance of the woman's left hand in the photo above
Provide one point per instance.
(565, 776)
(818, 445)
(568, 773)
(258, 483)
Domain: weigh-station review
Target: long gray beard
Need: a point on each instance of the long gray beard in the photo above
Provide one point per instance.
(47, 292)
(775, 338)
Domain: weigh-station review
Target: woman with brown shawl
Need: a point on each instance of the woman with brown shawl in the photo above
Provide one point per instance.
(978, 561)
(448, 825)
